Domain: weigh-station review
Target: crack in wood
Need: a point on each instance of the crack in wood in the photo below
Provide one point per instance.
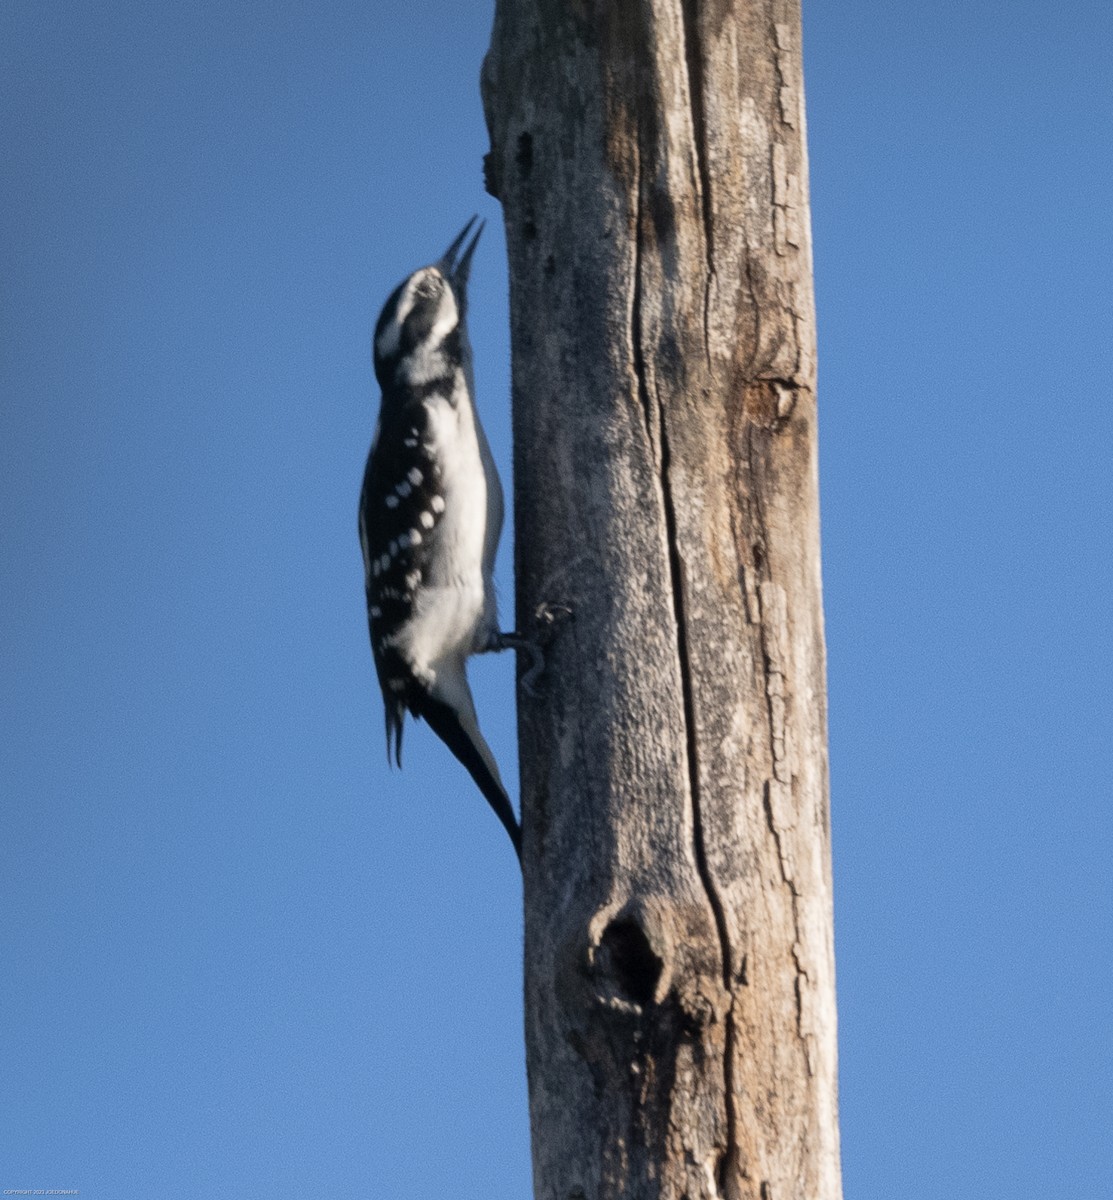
(787, 98)
(693, 57)
(689, 18)
(636, 331)
(652, 407)
(676, 566)
(751, 290)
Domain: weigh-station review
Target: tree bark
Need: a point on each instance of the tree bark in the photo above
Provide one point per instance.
(680, 1015)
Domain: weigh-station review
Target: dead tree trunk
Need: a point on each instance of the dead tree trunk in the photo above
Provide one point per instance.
(680, 1013)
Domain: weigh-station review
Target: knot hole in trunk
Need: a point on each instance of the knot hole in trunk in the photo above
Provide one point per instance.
(626, 956)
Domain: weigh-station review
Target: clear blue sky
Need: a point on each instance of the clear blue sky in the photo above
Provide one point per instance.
(239, 956)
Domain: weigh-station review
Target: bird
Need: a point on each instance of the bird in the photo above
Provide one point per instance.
(430, 517)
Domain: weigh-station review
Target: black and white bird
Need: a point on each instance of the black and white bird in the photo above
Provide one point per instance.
(430, 516)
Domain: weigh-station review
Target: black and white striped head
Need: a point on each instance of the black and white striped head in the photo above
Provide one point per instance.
(420, 337)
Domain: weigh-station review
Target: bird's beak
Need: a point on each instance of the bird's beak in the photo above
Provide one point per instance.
(457, 269)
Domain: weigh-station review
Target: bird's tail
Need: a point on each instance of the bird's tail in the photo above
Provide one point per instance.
(395, 710)
(461, 735)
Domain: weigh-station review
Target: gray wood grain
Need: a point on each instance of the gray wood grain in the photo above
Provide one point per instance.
(680, 1013)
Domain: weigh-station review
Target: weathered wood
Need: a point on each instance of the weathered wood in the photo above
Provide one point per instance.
(680, 1018)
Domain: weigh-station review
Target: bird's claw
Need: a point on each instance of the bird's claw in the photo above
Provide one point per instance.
(518, 641)
(547, 616)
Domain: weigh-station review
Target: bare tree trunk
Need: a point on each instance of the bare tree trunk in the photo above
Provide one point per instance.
(680, 1011)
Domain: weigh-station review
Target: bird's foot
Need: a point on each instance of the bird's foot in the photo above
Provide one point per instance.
(518, 641)
(547, 616)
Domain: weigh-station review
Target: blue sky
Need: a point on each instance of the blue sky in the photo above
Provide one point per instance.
(240, 954)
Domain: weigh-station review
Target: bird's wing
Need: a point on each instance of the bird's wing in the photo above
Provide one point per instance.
(399, 511)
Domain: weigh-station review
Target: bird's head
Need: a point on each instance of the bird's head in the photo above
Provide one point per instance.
(420, 336)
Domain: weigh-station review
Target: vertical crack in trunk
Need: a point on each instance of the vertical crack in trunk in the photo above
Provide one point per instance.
(755, 306)
(676, 569)
(693, 59)
(653, 407)
(689, 20)
(637, 359)
(653, 410)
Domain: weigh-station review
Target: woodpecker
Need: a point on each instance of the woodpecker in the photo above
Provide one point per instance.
(430, 516)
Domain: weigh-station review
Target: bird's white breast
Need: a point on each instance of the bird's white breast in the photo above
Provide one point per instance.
(454, 614)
